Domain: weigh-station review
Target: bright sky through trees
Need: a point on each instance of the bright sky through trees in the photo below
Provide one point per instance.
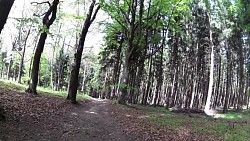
(94, 38)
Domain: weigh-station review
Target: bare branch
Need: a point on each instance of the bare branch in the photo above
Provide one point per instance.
(125, 16)
(94, 16)
(38, 3)
(37, 15)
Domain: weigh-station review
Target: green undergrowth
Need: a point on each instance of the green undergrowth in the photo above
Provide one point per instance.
(245, 114)
(10, 85)
(232, 127)
(149, 108)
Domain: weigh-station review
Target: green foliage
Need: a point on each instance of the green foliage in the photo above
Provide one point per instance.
(73, 16)
(114, 102)
(45, 29)
(44, 75)
(28, 20)
(25, 79)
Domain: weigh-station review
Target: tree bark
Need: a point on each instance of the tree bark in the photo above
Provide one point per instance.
(229, 75)
(211, 78)
(73, 82)
(48, 20)
(241, 77)
(5, 6)
(22, 58)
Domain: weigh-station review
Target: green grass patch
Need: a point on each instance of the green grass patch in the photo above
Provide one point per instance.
(149, 108)
(228, 130)
(40, 90)
(171, 121)
(245, 114)
(114, 102)
(12, 85)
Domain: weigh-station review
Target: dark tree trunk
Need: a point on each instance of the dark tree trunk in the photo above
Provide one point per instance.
(131, 48)
(241, 76)
(22, 59)
(229, 75)
(146, 93)
(47, 22)
(73, 82)
(5, 6)
(9, 69)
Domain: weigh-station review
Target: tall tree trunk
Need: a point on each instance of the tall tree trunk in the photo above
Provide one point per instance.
(73, 82)
(5, 6)
(22, 58)
(48, 20)
(9, 68)
(229, 75)
(241, 77)
(124, 83)
(211, 76)
(146, 93)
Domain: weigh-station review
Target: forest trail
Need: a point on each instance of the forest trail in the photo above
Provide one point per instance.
(98, 123)
(46, 118)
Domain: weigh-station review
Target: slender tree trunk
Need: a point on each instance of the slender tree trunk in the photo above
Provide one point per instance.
(36, 62)
(229, 75)
(146, 93)
(74, 82)
(9, 68)
(5, 6)
(124, 83)
(241, 78)
(83, 79)
(48, 20)
(22, 58)
(211, 76)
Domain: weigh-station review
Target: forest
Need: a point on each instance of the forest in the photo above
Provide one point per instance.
(184, 56)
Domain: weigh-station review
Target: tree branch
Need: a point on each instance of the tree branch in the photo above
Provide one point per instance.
(37, 3)
(94, 16)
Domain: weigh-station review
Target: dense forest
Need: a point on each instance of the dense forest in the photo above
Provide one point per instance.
(191, 54)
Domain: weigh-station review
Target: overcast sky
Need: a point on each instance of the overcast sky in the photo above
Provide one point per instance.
(94, 37)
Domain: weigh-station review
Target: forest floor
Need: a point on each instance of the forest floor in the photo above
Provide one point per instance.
(52, 118)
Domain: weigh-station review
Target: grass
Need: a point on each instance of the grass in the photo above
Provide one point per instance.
(173, 122)
(234, 115)
(114, 102)
(230, 127)
(40, 90)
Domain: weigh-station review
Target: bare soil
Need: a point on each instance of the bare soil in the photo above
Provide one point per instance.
(40, 118)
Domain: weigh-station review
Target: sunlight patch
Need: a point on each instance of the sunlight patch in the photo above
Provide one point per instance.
(91, 112)
(75, 114)
(141, 117)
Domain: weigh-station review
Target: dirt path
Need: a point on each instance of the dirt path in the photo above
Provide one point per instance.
(97, 123)
(91, 121)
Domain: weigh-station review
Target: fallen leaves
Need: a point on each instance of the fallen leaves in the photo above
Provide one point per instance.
(19, 105)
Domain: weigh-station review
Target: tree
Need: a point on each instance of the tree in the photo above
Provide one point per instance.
(74, 80)
(5, 6)
(48, 20)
